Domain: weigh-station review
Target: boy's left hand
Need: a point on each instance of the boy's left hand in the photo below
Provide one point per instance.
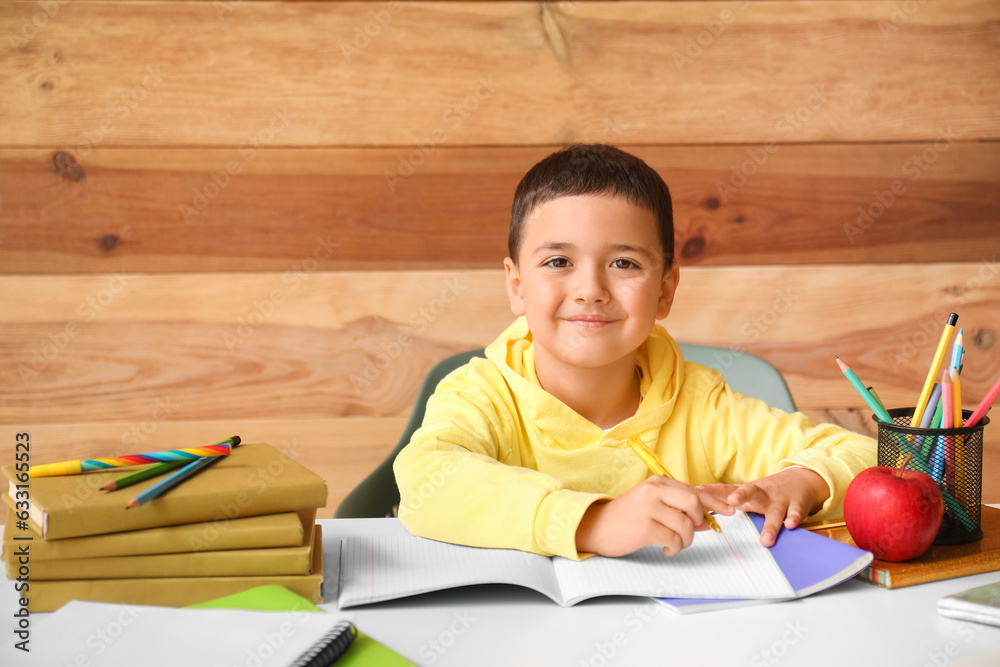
(785, 497)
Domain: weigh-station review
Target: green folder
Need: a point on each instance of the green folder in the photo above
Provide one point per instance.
(363, 650)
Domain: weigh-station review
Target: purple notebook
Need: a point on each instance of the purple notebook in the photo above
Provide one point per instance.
(810, 562)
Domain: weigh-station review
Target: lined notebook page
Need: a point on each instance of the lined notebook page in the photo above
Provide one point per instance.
(731, 565)
(373, 569)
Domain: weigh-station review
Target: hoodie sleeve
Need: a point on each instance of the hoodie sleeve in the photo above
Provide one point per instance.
(745, 440)
(456, 484)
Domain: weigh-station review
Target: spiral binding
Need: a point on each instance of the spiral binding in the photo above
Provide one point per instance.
(330, 647)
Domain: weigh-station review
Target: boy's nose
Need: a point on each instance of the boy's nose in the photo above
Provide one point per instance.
(590, 287)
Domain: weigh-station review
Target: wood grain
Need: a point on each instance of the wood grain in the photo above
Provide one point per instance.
(241, 346)
(254, 218)
(148, 210)
(305, 74)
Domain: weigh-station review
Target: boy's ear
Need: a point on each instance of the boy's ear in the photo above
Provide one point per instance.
(514, 287)
(667, 288)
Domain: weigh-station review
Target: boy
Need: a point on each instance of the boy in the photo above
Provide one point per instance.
(528, 448)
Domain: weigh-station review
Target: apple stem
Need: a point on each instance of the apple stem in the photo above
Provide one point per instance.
(905, 463)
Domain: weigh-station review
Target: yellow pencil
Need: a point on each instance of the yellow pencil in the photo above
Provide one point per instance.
(653, 463)
(925, 394)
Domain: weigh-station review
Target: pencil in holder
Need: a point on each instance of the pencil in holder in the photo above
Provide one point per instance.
(952, 456)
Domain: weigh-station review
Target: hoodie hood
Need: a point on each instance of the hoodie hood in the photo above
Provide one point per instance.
(661, 366)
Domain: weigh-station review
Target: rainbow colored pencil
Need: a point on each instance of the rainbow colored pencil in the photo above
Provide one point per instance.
(76, 467)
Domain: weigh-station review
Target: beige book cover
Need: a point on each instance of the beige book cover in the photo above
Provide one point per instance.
(254, 532)
(172, 591)
(255, 479)
(238, 562)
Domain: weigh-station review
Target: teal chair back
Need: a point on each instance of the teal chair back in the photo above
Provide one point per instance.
(377, 495)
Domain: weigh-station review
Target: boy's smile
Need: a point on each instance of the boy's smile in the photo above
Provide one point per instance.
(590, 280)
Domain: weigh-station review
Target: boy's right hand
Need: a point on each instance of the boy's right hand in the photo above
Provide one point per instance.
(657, 511)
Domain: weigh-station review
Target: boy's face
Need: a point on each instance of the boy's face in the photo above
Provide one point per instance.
(590, 279)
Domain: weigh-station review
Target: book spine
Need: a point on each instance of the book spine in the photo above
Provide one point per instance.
(876, 576)
(169, 592)
(237, 563)
(95, 519)
(269, 531)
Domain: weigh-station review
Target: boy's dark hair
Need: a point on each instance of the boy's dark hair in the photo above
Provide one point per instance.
(593, 169)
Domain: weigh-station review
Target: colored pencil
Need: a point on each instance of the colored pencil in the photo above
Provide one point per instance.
(935, 368)
(158, 490)
(76, 467)
(142, 475)
(987, 401)
(959, 441)
(871, 390)
(932, 404)
(947, 406)
(939, 442)
(923, 441)
(957, 352)
(956, 395)
(935, 423)
(865, 394)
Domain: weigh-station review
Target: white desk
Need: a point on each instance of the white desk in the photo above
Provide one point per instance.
(853, 624)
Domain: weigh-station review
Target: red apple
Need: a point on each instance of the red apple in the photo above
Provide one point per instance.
(894, 513)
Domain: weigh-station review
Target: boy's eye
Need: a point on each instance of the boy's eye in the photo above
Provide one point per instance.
(557, 263)
(622, 263)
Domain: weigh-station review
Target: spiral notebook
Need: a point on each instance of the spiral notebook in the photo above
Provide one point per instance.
(364, 651)
(119, 635)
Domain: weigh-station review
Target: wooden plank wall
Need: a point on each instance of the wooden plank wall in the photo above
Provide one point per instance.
(272, 219)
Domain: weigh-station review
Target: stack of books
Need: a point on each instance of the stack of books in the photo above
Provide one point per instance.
(248, 520)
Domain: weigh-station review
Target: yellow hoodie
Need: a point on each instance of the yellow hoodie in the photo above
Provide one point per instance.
(499, 462)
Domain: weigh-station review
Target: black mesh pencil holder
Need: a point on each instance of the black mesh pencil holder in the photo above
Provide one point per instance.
(952, 456)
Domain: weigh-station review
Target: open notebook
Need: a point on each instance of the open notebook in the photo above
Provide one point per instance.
(731, 565)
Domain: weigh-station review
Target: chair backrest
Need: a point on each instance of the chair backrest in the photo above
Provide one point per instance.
(377, 494)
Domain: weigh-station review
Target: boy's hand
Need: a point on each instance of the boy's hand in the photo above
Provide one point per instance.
(785, 497)
(657, 511)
